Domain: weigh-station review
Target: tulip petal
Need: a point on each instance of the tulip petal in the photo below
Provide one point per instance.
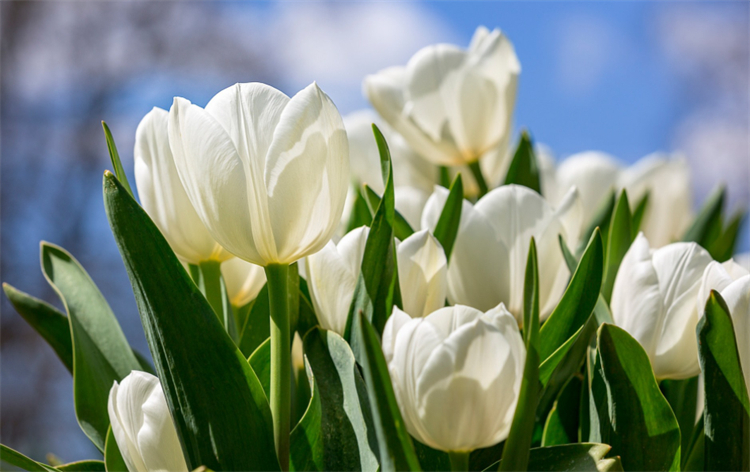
(306, 174)
(594, 173)
(737, 298)
(422, 273)
(213, 176)
(243, 280)
(395, 322)
(410, 202)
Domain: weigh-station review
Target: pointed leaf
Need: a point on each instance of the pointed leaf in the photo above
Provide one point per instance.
(706, 226)
(15, 458)
(618, 243)
(450, 218)
(524, 169)
(401, 228)
(114, 156)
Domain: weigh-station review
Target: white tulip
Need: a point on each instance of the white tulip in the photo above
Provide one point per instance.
(332, 275)
(732, 281)
(456, 374)
(451, 105)
(488, 262)
(243, 280)
(142, 425)
(410, 202)
(654, 299)
(267, 174)
(163, 197)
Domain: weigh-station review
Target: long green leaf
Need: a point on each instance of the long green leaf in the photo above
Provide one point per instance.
(618, 243)
(101, 353)
(516, 451)
(724, 246)
(600, 220)
(706, 226)
(15, 458)
(682, 396)
(396, 451)
(360, 214)
(524, 169)
(450, 218)
(634, 417)
(257, 327)
(83, 466)
(46, 320)
(638, 214)
(727, 408)
(582, 457)
(561, 426)
(114, 156)
(260, 361)
(217, 403)
(401, 228)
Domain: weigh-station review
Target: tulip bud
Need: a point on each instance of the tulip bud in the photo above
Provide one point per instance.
(333, 272)
(654, 299)
(243, 280)
(163, 197)
(451, 105)
(732, 281)
(456, 374)
(267, 174)
(488, 262)
(142, 425)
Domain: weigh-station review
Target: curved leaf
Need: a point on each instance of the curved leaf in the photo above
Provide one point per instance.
(15, 458)
(260, 361)
(618, 243)
(113, 461)
(524, 169)
(83, 466)
(582, 457)
(450, 218)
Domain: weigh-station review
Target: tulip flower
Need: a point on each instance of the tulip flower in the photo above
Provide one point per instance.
(451, 105)
(142, 425)
(163, 197)
(268, 176)
(732, 281)
(654, 299)
(333, 272)
(243, 280)
(456, 374)
(488, 262)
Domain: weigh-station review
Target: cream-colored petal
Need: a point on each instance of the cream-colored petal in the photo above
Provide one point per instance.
(422, 272)
(594, 173)
(243, 280)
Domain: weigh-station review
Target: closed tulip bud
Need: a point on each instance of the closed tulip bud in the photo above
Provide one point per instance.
(332, 275)
(163, 197)
(451, 105)
(654, 299)
(267, 174)
(243, 280)
(488, 262)
(456, 374)
(142, 425)
(732, 281)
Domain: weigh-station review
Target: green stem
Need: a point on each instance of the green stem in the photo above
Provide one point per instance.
(281, 359)
(476, 171)
(210, 285)
(459, 461)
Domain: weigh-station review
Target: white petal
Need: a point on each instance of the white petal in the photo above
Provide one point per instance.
(570, 213)
(331, 287)
(717, 276)
(213, 176)
(737, 298)
(306, 174)
(422, 272)
(163, 197)
(410, 202)
(352, 249)
(594, 173)
(395, 322)
(243, 280)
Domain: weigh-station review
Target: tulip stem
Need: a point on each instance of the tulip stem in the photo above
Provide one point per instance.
(459, 461)
(281, 360)
(210, 285)
(476, 171)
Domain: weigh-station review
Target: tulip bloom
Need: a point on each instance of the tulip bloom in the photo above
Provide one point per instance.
(163, 197)
(142, 425)
(488, 262)
(267, 174)
(243, 280)
(451, 105)
(456, 374)
(332, 275)
(654, 299)
(732, 281)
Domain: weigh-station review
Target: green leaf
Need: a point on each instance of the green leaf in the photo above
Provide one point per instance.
(114, 156)
(619, 241)
(113, 461)
(307, 317)
(633, 415)
(396, 451)
(83, 466)
(578, 301)
(570, 457)
(523, 168)
(306, 442)
(570, 259)
(516, 451)
(257, 326)
(260, 361)
(706, 226)
(401, 228)
(682, 396)
(216, 401)
(101, 354)
(15, 458)
(600, 220)
(561, 426)
(638, 214)
(341, 435)
(450, 218)
(46, 320)
(724, 246)
(694, 458)
(444, 176)
(360, 214)
(726, 410)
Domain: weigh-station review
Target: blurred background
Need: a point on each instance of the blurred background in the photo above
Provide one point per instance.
(628, 78)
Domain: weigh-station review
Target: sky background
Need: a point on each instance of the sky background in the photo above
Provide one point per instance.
(627, 78)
